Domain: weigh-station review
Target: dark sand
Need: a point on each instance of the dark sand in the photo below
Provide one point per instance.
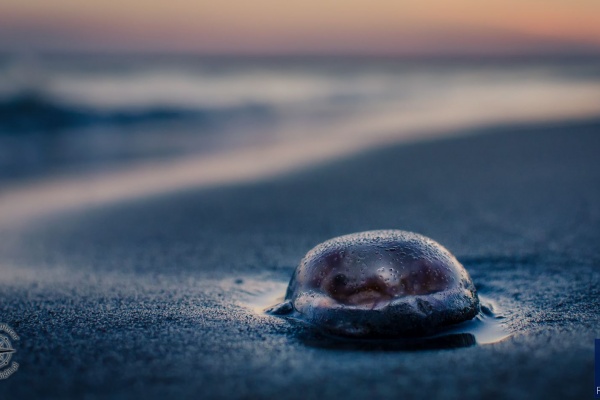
(139, 299)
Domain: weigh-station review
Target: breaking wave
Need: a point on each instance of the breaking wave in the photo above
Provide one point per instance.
(34, 112)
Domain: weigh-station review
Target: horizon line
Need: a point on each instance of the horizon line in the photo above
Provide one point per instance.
(458, 55)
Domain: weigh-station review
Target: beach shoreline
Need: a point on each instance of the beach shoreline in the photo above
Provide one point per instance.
(27, 200)
(148, 296)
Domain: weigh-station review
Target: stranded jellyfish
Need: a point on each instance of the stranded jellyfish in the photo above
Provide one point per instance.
(386, 283)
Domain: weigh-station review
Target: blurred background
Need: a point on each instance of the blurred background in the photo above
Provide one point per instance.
(98, 88)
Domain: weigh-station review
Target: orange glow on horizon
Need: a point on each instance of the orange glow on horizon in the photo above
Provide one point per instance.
(382, 26)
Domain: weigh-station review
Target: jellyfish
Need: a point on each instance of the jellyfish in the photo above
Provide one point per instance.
(387, 283)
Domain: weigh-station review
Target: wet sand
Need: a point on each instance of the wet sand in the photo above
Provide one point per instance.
(156, 297)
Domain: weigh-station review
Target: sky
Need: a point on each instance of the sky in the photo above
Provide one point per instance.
(331, 27)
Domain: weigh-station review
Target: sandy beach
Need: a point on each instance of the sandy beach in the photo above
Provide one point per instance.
(157, 297)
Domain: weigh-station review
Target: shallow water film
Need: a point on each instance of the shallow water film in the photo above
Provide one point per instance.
(388, 283)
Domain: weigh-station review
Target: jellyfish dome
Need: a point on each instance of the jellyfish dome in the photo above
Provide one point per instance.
(387, 283)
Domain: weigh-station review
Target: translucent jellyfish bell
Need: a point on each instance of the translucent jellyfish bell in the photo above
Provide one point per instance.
(387, 283)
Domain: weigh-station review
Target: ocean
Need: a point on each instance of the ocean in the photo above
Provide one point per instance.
(74, 114)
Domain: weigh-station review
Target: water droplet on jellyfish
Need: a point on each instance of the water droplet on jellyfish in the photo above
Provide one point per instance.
(380, 284)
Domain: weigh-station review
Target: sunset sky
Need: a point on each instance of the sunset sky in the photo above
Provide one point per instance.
(378, 27)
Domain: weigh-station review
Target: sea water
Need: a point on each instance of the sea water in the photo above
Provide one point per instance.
(73, 114)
